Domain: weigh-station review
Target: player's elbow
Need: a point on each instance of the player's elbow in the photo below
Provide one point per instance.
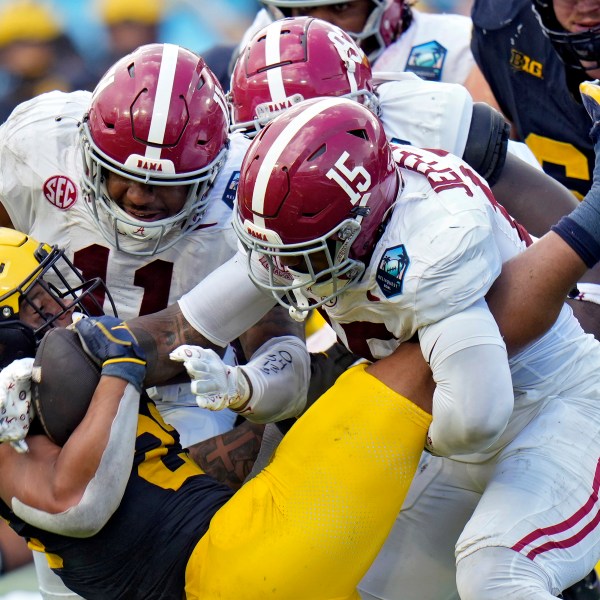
(479, 423)
(481, 433)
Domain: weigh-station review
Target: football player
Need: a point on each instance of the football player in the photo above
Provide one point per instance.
(121, 511)
(534, 54)
(44, 291)
(395, 36)
(40, 289)
(375, 268)
(136, 182)
(295, 59)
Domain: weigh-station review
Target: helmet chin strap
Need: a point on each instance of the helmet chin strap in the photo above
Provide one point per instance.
(302, 308)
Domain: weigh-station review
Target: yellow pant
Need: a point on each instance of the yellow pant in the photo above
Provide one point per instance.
(310, 524)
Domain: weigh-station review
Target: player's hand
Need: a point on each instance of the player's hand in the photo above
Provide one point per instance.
(215, 384)
(110, 342)
(16, 408)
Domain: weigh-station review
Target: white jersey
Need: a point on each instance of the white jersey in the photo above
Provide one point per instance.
(440, 252)
(532, 492)
(40, 168)
(422, 113)
(436, 47)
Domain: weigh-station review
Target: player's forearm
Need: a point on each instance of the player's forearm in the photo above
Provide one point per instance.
(533, 198)
(275, 323)
(159, 334)
(84, 485)
(531, 290)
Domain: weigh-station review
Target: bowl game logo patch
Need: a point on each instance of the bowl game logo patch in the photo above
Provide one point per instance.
(391, 270)
(427, 60)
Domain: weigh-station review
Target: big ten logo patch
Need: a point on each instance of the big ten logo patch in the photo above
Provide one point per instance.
(60, 191)
(525, 63)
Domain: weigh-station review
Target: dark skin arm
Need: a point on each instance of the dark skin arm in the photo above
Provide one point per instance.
(537, 202)
(533, 198)
(162, 332)
(529, 294)
(229, 457)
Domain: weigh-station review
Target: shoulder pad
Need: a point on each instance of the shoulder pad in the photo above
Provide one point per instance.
(487, 143)
(491, 14)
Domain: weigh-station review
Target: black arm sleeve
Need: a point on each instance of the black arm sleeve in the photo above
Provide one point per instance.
(487, 143)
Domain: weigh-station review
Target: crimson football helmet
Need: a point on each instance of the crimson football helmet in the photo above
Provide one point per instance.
(292, 60)
(41, 281)
(573, 48)
(315, 187)
(158, 116)
(384, 25)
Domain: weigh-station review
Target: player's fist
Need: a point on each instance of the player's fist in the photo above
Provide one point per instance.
(215, 384)
(16, 408)
(110, 342)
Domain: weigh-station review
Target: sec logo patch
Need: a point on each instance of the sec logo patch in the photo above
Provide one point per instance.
(60, 191)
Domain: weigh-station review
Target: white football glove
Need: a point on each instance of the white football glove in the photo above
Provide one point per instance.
(215, 384)
(16, 407)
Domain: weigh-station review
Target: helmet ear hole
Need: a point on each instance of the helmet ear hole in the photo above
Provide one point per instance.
(17, 341)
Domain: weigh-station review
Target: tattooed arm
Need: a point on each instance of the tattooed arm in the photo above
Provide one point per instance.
(162, 332)
(159, 334)
(229, 457)
(275, 323)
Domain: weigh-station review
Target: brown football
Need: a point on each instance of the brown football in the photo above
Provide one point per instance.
(64, 379)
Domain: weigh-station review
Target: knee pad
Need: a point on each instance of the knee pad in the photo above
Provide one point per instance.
(496, 573)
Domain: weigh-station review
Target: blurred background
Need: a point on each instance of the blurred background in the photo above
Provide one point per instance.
(69, 44)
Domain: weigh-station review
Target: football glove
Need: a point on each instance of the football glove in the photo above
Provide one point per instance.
(16, 407)
(215, 384)
(110, 342)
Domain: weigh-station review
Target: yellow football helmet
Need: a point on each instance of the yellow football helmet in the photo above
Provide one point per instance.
(26, 266)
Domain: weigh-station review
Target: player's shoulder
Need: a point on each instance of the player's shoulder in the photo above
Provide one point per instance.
(424, 113)
(491, 14)
(43, 117)
(439, 188)
(55, 104)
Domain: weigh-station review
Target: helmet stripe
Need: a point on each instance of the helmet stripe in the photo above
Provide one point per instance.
(273, 57)
(282, 141)
(162, 101)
